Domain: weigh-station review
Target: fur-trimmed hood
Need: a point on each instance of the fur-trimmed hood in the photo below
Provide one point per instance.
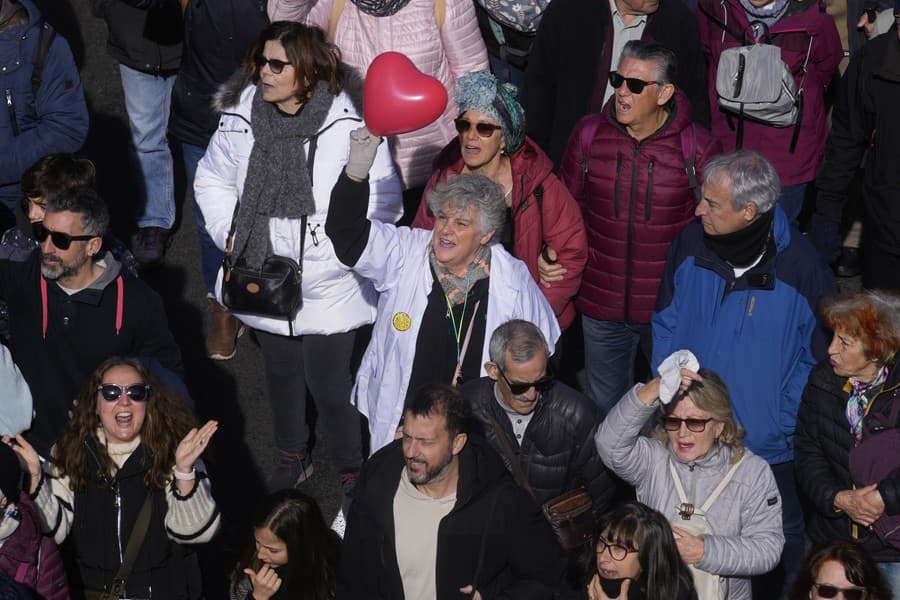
(228, 96)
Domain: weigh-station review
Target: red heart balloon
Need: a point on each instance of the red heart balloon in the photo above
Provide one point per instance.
(398, 98)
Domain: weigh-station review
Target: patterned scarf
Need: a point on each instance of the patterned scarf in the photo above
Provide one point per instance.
(858, 404)
(455, 287)
(380, 8)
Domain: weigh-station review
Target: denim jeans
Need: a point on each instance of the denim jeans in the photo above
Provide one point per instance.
(791, 201)
(777, 582)
(610, 348)
(890, 571)
(210, 256)
(147, 101)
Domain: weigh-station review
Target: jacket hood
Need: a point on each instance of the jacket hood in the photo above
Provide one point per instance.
(8, 10)
(794, 8)
(680, 116)
(228, 96)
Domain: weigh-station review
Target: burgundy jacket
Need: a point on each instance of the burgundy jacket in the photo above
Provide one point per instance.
(805, 22)
(558, 224)
(32, 558)
(635, 198)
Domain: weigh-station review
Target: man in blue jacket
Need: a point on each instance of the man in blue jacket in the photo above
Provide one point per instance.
(741, 290)
(45, 108)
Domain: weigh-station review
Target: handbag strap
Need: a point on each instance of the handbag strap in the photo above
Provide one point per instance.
(717, 491)
(135, 541)
(462, 352)
(507, 451)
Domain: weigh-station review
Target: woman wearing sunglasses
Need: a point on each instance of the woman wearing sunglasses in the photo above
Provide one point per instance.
(839, 570)
(130, 443)
(634, 557)
(542, 213)
(720, 498)
(268, 174)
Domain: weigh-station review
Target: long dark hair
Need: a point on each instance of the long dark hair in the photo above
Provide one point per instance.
(859, 569)
(664, 575)
(313, 549)
(167, 421)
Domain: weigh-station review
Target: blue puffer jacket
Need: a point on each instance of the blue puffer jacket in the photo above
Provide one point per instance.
(759, 332)
(55, 121)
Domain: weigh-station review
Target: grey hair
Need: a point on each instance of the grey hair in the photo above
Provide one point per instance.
(665, 60)
(750, 177)
(522, 339)
(471, 191)
(87, 204)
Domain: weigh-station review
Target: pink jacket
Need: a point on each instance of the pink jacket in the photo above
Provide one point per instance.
(446, 54)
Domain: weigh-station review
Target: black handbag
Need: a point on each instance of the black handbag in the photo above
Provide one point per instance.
(275, 289)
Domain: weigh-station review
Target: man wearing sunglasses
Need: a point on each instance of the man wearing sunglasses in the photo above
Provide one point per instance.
(71, 307)
(542, 424)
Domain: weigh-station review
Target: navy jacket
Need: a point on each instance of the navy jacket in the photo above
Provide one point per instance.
(760, 332)
(31, 127)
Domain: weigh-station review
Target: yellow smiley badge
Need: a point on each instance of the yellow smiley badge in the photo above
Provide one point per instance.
(401, 321)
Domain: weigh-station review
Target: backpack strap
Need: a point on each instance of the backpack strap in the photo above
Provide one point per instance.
(689, 152)
(738, 35)
(440, 13)
(799, 122)
(337, 7)
(587, 135)
(45, 38)
(722, 485)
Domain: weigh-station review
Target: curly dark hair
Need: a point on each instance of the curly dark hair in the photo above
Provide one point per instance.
(859, 568)
(167, 421)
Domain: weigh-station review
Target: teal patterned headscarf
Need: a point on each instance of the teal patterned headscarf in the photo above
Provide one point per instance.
(482, 92)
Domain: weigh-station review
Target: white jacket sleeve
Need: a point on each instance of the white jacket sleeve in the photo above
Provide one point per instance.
(758, 548)
(384, 258)
(215, 185)
(385, 189)
(619, 442)
(192, 519)
(55, 502)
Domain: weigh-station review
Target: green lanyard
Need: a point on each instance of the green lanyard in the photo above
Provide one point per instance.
(457, 331)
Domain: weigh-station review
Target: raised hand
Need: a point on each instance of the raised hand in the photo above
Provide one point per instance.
(266, 582)
(28, 460)
(193, 445)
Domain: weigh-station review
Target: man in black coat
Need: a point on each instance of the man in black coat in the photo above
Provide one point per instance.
(436, 515)
(71, 307)
(574, 51)
(543, 429)
(865, 130)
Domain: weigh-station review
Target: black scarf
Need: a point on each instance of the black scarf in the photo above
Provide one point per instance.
(742, 247)
(277, 183)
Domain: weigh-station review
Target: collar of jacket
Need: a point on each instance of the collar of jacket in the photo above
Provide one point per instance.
(889, 68)
(735, 12)
(716, 457)
(823, 378)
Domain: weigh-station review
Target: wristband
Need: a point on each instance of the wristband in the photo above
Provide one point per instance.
(184, 476)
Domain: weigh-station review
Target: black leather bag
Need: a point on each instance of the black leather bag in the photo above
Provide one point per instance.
(274, 290)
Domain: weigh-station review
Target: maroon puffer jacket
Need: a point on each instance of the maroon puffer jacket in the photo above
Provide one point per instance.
(32, 558)
(635, 198)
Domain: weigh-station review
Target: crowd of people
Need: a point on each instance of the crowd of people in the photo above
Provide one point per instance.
(653, 186)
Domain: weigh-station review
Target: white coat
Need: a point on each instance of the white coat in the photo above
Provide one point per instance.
(396, 261)
(334, 299)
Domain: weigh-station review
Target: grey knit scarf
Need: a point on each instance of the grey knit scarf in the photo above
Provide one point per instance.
(277, 183)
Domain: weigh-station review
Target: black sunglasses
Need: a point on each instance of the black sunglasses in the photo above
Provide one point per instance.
(618, 552)
(60, 240)
(136, 391)
(635, 85)
(520, 388)
(485, 130)
(695, 425)
(826, 590)
(275, 65)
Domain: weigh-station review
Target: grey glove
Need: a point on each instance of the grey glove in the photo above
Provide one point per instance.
(363, 147)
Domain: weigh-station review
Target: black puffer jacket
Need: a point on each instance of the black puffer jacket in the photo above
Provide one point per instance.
(520, 561)
(145, 39)
(557, 452)
(822, 457)
(217, 35)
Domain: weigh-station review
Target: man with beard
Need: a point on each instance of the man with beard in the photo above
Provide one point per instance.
(435, 515)
(71, 307)
(741, 290)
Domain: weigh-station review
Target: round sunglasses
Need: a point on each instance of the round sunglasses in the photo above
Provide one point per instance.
(485, 130)
(60, 240)
(111, 392)
(695, 425)
(275, 65)
(635, 85)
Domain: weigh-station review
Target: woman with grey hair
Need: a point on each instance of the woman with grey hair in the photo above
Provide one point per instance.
(720, 498)
(442, 292)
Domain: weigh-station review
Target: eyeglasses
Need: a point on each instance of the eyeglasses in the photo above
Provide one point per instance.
(695, 425)
(485, 130)
(827, 590)
(616, 551)
(275, 65)
(136, 391)
(60, 240)
(635, 85)
(520, 388)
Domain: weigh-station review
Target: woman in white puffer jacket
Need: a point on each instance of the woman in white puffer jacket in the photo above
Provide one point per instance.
(288, 110)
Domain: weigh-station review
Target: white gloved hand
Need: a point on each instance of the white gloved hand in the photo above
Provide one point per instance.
(670, 373)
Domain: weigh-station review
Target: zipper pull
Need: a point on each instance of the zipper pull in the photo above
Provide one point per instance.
(11, 107)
